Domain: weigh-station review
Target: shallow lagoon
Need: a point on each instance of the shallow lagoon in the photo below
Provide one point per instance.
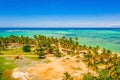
(105, 38)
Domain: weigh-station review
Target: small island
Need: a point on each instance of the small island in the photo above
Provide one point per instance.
(51, 58)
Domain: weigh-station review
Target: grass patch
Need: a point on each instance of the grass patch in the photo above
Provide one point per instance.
(74, 68)
(15, 52)
(6, 69)
(78, 68)
(34, 58)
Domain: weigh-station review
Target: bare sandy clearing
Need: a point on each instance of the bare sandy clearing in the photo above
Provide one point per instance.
(53, 70)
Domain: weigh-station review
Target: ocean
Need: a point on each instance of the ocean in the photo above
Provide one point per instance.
(108, 38)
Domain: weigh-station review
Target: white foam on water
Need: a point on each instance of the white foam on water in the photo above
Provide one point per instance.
(18, 30)
(62, 32)
(13, 30)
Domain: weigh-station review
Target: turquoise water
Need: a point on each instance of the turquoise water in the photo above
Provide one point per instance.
(105, 38)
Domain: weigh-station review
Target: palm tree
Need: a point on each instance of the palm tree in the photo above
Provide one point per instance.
(58, 54)
(3, 44)
(103, 50)
(41, 55)
(109, 51)
(76, 38)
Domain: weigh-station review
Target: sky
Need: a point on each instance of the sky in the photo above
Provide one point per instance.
(59, 13)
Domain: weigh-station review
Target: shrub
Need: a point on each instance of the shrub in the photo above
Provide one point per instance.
(88, 76)
(58, 54)
(67, 76)
(1, 53)
(26, 48)
(41, 55)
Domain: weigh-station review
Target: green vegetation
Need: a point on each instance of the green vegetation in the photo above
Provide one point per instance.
(6, 68)
(88, 76)
(41, 55)
(104, 75)
(104, 63)
(26, 48)
(67, 76)
(18, 51)
(58, 54)
(76, 68)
